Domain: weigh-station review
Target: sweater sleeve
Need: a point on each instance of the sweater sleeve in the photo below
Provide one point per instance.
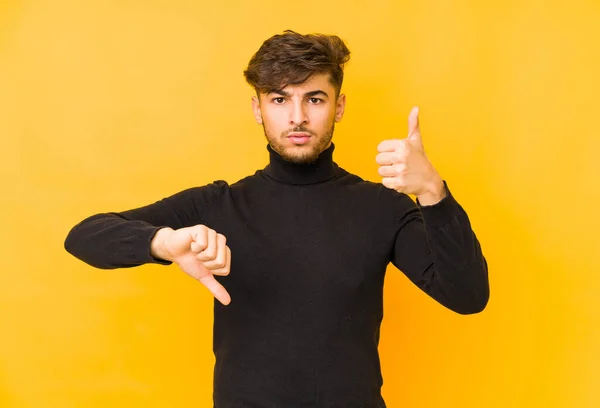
(122, 239)
(438, 251)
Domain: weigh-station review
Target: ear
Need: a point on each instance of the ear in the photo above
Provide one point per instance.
(340, 106)
(256, 110)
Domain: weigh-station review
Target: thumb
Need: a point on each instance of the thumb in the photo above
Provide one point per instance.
(218, 290)
(414, 132)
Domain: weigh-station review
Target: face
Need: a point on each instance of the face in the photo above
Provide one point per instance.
(298, 120)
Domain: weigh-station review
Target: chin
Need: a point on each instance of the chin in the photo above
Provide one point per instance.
(300, 157)
(298, 154)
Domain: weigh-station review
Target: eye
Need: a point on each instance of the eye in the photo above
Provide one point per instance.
(315, 100)
(278, 100)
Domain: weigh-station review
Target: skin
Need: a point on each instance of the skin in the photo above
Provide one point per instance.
(310, 108)
(405, 167)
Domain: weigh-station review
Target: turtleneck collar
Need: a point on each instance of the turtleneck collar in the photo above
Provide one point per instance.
(324, 168)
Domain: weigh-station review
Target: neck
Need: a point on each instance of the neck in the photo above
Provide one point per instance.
(322, 169)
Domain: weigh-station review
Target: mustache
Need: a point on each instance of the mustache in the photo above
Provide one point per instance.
(299, 129)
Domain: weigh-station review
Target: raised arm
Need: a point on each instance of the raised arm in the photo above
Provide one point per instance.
(438, 251)
(435, 245)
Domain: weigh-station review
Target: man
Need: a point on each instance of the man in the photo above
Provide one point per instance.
(307, 243)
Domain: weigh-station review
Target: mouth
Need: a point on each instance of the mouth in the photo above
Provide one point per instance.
(299, 138)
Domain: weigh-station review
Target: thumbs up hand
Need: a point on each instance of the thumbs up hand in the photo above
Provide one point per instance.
(405, 167)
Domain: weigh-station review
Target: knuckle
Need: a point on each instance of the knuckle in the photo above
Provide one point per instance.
(399, 168)
(402, 145)
(206, 256)
(400, 155)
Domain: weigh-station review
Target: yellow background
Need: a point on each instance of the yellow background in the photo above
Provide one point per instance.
(109, 105)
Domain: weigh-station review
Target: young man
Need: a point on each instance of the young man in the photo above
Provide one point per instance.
(296, 254)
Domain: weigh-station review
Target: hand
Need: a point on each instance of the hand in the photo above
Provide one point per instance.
(201, 253)
(405, 167)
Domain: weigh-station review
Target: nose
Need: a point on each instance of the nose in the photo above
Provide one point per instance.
(298, 114)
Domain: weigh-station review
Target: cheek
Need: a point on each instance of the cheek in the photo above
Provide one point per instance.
(324, 119)
(274, 117)
(273, 124)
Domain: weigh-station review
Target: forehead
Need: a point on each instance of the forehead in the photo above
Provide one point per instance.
(314, 83)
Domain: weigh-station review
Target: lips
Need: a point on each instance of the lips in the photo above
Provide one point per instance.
(299, 138)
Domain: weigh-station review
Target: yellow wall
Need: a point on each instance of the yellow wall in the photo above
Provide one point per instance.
(110, 105)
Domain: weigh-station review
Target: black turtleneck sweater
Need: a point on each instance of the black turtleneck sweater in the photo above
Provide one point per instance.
(310, 245)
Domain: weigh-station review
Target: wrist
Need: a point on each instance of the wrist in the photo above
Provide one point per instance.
(434, 193)
(157, 245)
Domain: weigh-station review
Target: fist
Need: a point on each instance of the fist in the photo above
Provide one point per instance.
(404, 165)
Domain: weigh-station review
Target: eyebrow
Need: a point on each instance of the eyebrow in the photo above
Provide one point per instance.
(306, 95)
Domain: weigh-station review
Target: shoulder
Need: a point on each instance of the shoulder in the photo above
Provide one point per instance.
(213, 187)
(374, 198)
(201, 194)
(376, 190)
(219, 188)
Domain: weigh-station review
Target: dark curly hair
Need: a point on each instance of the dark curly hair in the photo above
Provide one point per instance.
(291, 59)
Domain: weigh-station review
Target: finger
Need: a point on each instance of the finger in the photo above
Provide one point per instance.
(221, 258)
(393, 183)
(218, 290)
(397, 156)
(387, 171)
(385, 159)
(389, 145)
(199, 240)
(413, 122)
(224, 271)
(210, 252)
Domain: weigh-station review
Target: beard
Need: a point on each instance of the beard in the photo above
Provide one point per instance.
(301, 154)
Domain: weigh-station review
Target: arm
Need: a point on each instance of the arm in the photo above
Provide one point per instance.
(126, 239)
(438, 251)
(435, 245)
